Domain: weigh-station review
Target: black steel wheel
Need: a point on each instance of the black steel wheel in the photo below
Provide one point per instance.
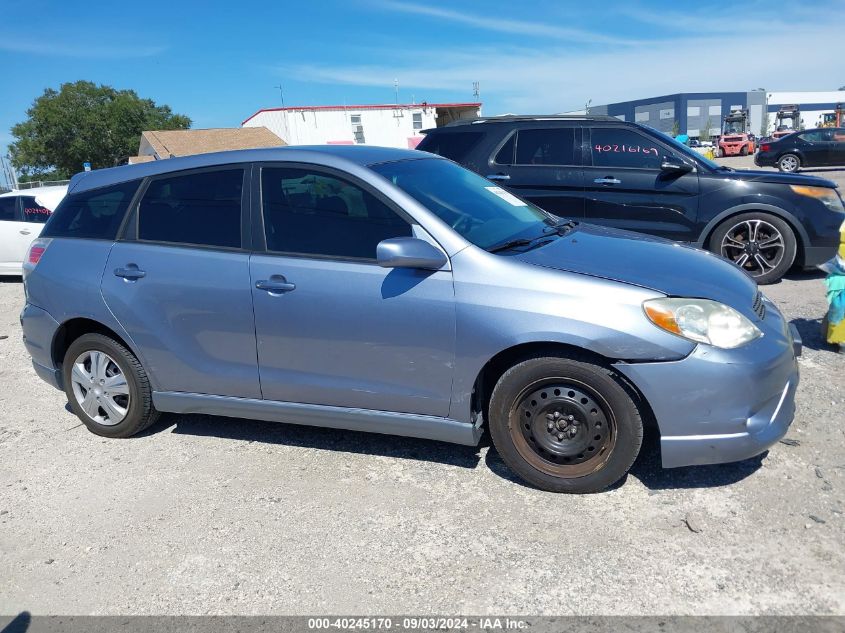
(565, 424)
(761, 244)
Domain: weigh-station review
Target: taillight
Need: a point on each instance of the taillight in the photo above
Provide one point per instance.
(765, 147)
(36, 252)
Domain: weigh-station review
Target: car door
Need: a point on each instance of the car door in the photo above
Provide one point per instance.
(627, 189)
(542, 164)
(179, 282)
(333, 327)
(9, 236)
(816, 147)
(837, 152)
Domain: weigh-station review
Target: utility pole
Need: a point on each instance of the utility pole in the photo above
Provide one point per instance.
(476, 90)
(396, 90)
(281, 94)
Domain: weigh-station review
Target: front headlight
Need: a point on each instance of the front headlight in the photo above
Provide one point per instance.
(827, 196)
(702, 321)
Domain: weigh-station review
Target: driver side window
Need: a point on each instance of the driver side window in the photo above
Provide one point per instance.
(622, 147)
(313, 213)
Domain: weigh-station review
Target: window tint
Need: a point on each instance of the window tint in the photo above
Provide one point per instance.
(552, 146)
(94, 214)
(202, 209)
(34, 212)
(8, 205)
(505, 154)
(312, 213)
(817, 136)
(620, 147)
(454, 146)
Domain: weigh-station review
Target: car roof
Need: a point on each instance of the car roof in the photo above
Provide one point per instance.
(339, 156)
(35, 191)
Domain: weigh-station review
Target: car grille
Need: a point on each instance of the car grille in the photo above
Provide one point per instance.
(759, 307)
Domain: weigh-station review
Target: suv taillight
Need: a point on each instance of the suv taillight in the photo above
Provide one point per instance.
(765, 147)
(35, 253)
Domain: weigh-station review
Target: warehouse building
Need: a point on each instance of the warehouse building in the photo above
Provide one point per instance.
(697, 111)
(388, 125)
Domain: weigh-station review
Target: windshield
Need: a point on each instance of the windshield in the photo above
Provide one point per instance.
(699, 158)
(479, 210)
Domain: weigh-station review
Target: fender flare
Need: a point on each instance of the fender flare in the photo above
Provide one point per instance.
(784, 215)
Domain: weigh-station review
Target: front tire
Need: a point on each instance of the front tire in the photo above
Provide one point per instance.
(761, 244)
(789, 163)
(107, 387)
(565, 424)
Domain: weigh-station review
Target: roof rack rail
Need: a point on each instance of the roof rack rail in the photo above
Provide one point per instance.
(533, 117)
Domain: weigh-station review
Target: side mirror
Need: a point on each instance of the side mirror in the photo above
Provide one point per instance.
(409, 252)
(675, 165)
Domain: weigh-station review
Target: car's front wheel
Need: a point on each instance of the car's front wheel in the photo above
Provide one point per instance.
(565, 424)
(763, 245)
(107, 387)
(789, 163)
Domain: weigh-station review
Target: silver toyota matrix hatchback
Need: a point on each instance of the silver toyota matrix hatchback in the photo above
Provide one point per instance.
(393, 291)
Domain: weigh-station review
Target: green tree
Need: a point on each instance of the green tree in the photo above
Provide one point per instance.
(85, 122)
(704, 133)
(676, 128)
(764, 125)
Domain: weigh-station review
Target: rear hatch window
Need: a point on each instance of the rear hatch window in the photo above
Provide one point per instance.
(452, 145)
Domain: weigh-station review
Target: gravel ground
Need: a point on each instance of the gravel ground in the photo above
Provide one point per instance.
(204, 515)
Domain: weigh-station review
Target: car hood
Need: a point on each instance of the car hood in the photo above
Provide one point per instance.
(759, 175)
(646, 261)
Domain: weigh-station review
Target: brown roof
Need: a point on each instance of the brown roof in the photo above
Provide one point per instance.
(134, 160)
(169, 143)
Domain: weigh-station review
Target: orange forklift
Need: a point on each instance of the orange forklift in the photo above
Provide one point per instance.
(793, 114)
(736, 139)
(835, 118)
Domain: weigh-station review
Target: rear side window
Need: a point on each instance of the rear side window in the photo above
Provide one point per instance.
(8, 206)
(454, 146)
(34, 212)
(94, 214)
(621, 147)
(552, 146)
(316, 214)
(200, 208)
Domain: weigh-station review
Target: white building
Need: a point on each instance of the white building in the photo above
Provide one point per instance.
(387, 125)
(813, 104)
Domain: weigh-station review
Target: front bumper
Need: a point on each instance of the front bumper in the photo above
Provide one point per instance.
(717, 406)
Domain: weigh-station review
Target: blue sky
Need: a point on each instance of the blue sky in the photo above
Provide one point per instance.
(219, 62)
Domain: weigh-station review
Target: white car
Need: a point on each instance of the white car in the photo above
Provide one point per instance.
(23, 213)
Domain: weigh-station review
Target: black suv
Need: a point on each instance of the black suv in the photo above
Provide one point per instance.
(605, 171)
(821, 147)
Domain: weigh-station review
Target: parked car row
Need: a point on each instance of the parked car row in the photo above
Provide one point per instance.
(613, 173)
(394, 291)
(822, 147)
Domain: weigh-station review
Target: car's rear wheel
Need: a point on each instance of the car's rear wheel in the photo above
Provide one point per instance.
(107, 387)
(789, 163)
(761, 244)
(744, 150)
(565, 424)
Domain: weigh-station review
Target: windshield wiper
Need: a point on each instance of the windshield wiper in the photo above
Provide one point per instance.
(523, 241)
(561, 228)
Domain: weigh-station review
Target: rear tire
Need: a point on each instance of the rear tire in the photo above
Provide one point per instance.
(761, 244)
(565, 424)
(744, 150)
(789, 163)
(107, 387)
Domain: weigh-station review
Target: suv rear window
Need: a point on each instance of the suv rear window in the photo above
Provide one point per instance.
(94, 214)
(454, 146)
(546, 146)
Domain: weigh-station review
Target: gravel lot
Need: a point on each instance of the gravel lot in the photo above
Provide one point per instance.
(204, 515)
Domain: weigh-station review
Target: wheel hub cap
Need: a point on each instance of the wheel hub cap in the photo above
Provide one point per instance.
(756, 246)
(100, 388)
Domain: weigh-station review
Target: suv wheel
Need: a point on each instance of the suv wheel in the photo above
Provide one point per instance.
(789, 163)
(763, 245)
(565, 425)
(107, 387)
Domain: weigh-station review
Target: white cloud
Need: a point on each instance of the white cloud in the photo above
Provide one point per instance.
(554, 79)
(82, 47)
(506, 25)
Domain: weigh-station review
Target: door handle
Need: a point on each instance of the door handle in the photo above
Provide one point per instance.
(130, 273)
(607, 180)
(24, 231)
(276, 285)
(498, 177)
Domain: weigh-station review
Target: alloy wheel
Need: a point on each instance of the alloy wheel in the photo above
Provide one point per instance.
(789, 163)
(100, 387)
(755, 246)
(563, 428)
